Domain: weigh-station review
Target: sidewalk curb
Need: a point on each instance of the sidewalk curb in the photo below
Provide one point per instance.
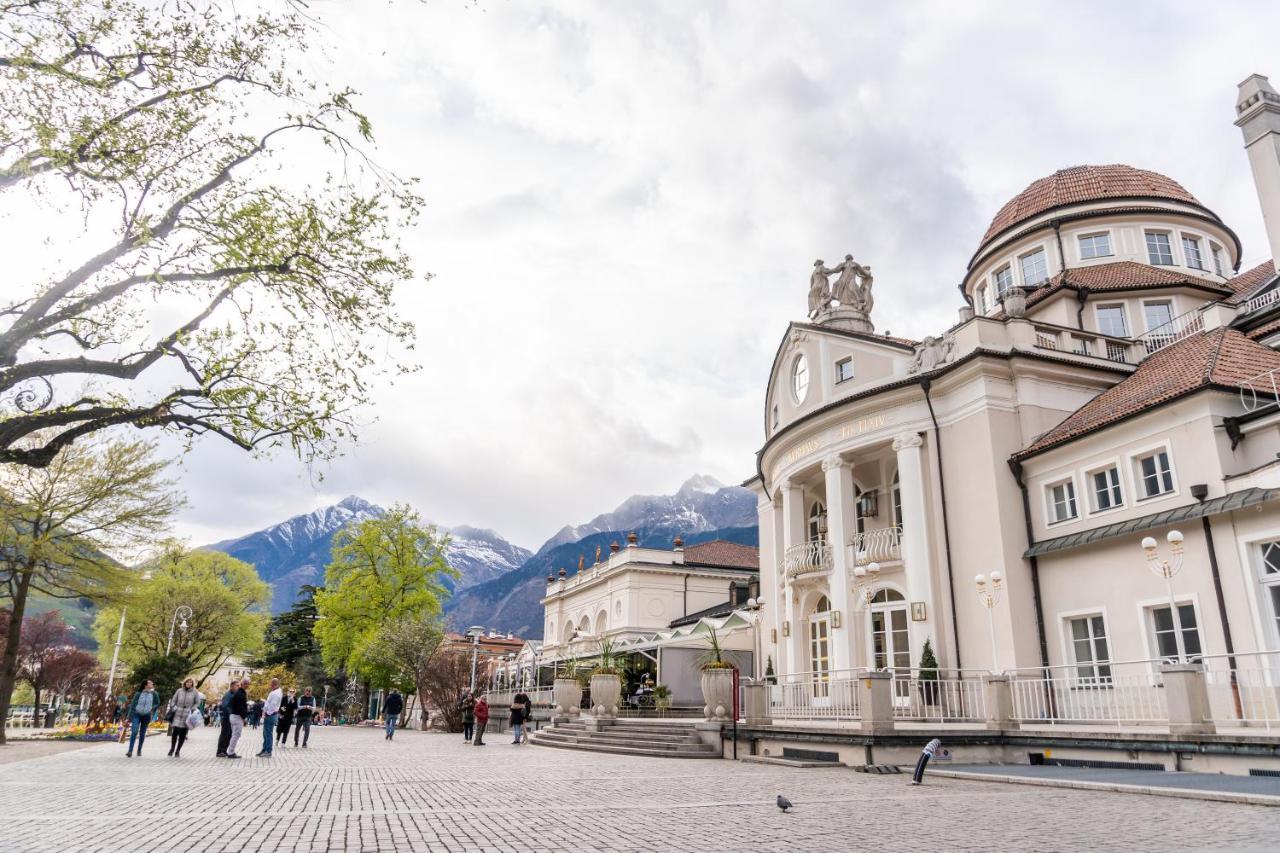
(1152, 790)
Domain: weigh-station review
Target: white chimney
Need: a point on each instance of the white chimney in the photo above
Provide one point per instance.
(1258, 117)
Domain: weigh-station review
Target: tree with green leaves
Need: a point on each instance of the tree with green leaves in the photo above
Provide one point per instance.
(405, 650)
(210, 279)
(383, 569)
(291, 635)
(61, 524)
(228, 605)
(167, 672)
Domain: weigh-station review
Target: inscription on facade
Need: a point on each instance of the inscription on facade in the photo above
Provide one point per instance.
(801, 450)
(863, 425)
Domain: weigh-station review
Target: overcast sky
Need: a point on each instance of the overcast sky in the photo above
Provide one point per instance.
(625, 199)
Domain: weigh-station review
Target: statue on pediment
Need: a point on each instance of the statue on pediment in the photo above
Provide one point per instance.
(853, 288)
(847, 304)
(819, 289)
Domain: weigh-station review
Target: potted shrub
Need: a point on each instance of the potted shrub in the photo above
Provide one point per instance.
(606, 681)
(928, 675)
(662, 698)
(717, 681)
(566, 693)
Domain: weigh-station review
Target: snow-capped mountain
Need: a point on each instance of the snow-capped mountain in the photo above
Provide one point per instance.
(702, 509)
(295, 552)
(702, 503)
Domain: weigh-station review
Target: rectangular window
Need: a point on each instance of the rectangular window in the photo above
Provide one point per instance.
(1163, 629)
(1035, 268)
(1106, 489)
(1003, 279)
(1089, 647)
(1271, 580)
(1154, 474)
(1062, 501)
(1159, 250)
(1191, 249)
(1156, 314)
(844, 369)
(1095, 246)
(1111, 321)
(1219, 264)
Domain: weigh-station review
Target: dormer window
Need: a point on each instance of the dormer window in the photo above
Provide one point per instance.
(1035, 268)
(1219, 262)
(1095, 246)
(844, 369)
(1003, 279)
(1191, 250)
(1159, 249)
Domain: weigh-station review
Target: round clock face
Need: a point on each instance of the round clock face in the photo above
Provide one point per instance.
(800, 378)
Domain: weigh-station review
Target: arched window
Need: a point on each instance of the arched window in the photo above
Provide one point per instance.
(568, 631)
(886, 595)
(897, 501)
(817, 522)
(822, 605)
(602, 620)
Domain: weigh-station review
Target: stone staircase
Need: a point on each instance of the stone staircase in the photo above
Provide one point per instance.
(658, 738)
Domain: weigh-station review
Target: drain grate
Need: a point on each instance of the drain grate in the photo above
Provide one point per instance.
(810, 755)
(1258, 771)
(1099, 764)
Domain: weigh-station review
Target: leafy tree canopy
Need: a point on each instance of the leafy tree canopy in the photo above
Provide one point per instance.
(166, 671)
(260, 680)
(383, 569)
(227, 603)
(290, 636)
(198, 165)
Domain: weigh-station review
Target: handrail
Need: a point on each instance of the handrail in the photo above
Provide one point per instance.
(1184, 325)
(1262, 300)
(874, 546)
(1258, 392)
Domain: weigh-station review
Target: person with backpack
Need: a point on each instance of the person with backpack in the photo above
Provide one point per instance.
(184, 702)
(468, 717)
(142, 707)
(391, 711)
(482, 719)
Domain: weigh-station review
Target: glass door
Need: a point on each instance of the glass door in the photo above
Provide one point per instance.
(891, 643)
(820, 654)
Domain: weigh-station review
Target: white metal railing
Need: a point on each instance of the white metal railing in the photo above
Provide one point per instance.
(877, 546)
(944, 696)
(831, 695)
(807, 558)
(1114, 693)
(1083, 343)
(1262, 300)
(1247, 694)
(1182, 326)
(1260, 391)
(503, 698)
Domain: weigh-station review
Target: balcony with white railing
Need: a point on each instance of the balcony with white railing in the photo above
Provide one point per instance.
(877, 546)
(809, 558)
(1079, 342)
(1182, 326)
(1262, 300)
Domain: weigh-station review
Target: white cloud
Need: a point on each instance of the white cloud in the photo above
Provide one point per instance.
(624, 201)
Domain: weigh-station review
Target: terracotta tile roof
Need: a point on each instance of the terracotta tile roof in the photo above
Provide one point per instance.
(1221, 357)
(1120, 275)
(1264, 330)
(1244, 284)
(722, 553)
(1083, 184)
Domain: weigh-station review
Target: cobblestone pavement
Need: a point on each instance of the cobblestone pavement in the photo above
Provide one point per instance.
(425, 792)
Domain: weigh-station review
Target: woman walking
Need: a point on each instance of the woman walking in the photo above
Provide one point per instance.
(482, 719)
(185, 700)
(287, 709)
(517, 717)
(468, 717)
(142, 707)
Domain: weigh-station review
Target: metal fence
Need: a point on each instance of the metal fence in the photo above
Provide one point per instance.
(831, 695)
(1115, 692)
(1244, 689)
(938, 695)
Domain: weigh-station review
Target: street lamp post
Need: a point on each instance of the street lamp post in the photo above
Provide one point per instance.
(475, 632)
(990, 591)
(115, 654)
(1167, 569)
(864, 588)
(182, 610)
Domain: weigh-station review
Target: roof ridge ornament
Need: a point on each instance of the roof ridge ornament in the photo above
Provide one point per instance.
(847, 304)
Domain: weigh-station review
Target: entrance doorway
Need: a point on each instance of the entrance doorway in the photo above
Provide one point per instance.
(891, 640)
(820, 648)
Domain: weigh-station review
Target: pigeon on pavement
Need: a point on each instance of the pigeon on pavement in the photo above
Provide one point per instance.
(783, 803)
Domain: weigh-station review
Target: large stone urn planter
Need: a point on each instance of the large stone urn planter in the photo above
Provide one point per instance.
(606, 690)
(566, 694)
(717, 694)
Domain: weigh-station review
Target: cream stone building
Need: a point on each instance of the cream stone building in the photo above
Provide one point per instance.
(1113, 376)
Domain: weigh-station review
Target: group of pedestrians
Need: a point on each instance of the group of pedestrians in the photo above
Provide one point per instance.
(475, 717)
(184, 711)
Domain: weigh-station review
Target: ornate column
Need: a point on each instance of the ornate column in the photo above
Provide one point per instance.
(839, 477)
(916, 562)
(793, 533)
(767, 513)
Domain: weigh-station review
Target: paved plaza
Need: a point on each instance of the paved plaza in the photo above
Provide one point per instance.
(425, 792)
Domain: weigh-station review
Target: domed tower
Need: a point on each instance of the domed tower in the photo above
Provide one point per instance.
(1112, 250)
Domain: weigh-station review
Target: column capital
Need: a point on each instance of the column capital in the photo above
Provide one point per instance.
(834, 461)
(786, 485)
(904, 440)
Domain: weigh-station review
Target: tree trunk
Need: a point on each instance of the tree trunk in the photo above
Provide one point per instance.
(9, 665)
(37, 719)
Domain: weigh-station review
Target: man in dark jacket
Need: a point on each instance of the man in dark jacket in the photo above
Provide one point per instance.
(306, 708)
(391, 711)
(239, 710)
(224, 714)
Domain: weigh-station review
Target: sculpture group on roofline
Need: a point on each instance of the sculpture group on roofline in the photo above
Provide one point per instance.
(851, 292)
